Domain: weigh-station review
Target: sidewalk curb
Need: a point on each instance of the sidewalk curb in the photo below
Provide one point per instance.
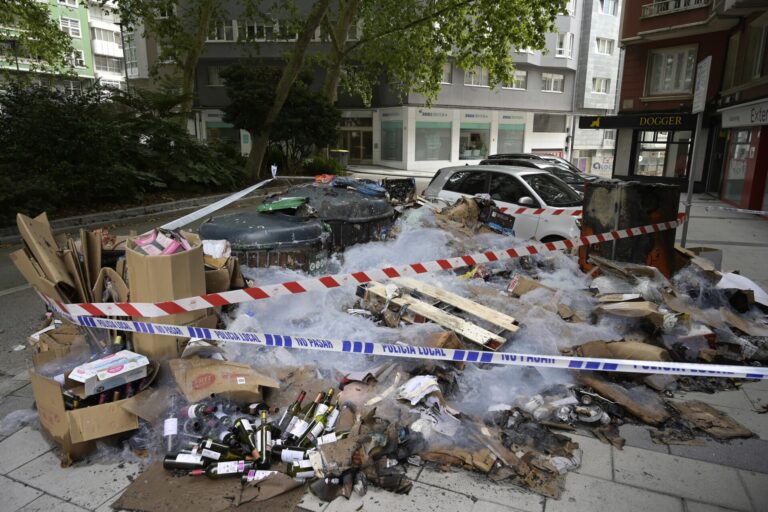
(11, 234)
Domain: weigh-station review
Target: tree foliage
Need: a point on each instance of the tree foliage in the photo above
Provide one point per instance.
(92, 148)
(30, 33)
(306, 120)
(409, 41)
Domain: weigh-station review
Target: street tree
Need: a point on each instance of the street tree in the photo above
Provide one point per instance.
(306, 120)
(28, 32)
(410, 41)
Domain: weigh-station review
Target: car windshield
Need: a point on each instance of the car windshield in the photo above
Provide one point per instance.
(552, 190)
(566, 175)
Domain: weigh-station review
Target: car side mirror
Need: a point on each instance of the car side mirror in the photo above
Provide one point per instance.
(526, 201)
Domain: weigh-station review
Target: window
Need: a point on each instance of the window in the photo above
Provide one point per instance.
(604, 46)
(257, 31)
(608, 7)
(476, 76)
(222, 30)
(71, 86)
(70, 3)
(70, 26)
(662, 153)
(519, 81)
(214, 76)
(671, 70)
(447, 73)
(549, 123)
(474, 139)
(100, 34)
(552, 82)
(112, 84)
(756, 60)
(77, 59)
(131, 55)
(109, 64)
(510, 137)
(609, 136)
(287, 31)
(392, 140)
(564, 45)
(528, 50)
(507, 188)
(570, 8)
(601, 85)
(354, 32)
(166, 11)
(552, 190)
(468, 182)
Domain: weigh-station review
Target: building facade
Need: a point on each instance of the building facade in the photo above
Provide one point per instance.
(96, 41)
(681, 54)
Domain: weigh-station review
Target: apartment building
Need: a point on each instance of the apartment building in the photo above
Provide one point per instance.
(97, 47)
(665, 42)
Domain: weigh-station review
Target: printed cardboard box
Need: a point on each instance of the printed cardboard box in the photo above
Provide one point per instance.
(197, 378)
(109, 372)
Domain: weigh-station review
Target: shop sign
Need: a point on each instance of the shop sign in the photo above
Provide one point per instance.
(749, 115)
(660, 122)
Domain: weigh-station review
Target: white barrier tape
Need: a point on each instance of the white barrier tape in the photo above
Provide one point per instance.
(415, 352)
(177, 306)
(736, 210)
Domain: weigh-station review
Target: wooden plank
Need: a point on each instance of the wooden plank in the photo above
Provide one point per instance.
(457, 301)
(462, 327)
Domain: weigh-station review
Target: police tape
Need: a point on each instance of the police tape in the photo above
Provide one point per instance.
(563, 212)
(369, 348)
(736, 210)
(178, 306)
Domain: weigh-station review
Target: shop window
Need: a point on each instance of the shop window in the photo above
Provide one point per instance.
(392, 140)
(511, 138)
(662, 154)
(552, 82)
(474, 139)
(671, 70)
(433, 140)
(468, 182)
(733, 187)
(549, 123)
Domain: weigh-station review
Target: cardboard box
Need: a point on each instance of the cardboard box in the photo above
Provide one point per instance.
(197, 378)
(110, 372)
(74, 431)
(163, 278)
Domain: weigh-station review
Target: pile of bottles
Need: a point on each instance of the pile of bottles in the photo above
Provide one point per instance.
(218, 438)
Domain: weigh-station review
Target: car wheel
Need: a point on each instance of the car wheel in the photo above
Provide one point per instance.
(552, 238)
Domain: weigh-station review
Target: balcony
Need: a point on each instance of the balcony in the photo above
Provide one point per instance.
(672, 6)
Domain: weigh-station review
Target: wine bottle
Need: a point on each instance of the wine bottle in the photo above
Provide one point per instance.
(331, 437)
(302, 423)
(317, 427)
(229, 438)
(245, 433)
(185, 461)
(170, 433)
(300, 469)
(332, 417)
(197, 411)
(264, 442)
(289, 453)
(213, 450)
(323, 406)
(256, 474)
(291, 412)
(256, 408)
(224, 469)
(309, 413)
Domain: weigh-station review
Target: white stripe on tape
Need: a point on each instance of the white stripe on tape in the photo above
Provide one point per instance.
(177, 306)
(415, 352)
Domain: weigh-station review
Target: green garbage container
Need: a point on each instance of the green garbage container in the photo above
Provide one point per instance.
(341, 156)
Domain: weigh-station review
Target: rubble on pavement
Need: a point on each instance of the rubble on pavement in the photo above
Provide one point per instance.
(364, 422)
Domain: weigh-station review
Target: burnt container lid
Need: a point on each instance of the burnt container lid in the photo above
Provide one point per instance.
(254, 230)
(341, 204)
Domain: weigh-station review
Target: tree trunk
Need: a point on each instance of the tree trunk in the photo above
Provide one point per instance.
(290, 73)
(206, 9)
(339, 37)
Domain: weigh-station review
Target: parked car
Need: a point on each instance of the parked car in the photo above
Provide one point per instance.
(532, 156)
(512, 187)
(574, 180)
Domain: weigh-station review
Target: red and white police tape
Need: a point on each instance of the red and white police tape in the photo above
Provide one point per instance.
(176, 306)
(542, 211)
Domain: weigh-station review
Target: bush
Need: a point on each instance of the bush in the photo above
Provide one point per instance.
(62, 150)
(323, 165)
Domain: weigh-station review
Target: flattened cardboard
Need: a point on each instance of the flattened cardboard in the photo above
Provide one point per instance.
(523, 285)
(642, 309)
(118, 287)
(26, 266)
(197, 378)
(38, 236)
(72, 263)
(90, 244)
(157, 346)
(742, 324)
(623, 350)
(100, 421)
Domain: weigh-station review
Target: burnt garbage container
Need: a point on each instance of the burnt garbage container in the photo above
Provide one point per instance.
(341, 156)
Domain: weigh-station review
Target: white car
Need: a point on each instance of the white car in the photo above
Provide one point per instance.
(511, 188)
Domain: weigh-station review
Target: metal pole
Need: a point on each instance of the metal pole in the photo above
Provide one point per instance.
(697, 142)
(125, 58)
